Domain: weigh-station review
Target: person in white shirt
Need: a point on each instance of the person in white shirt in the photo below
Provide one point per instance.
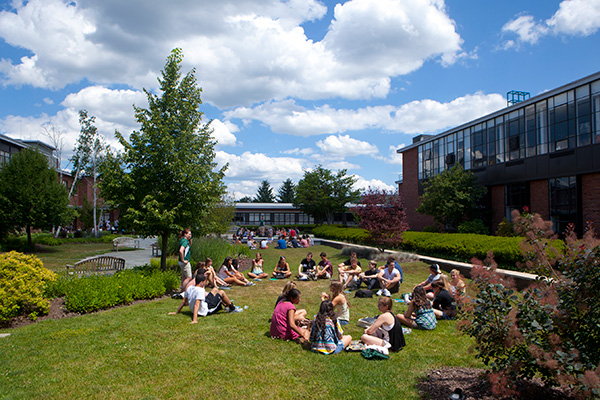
(389, 279)
(203, 304)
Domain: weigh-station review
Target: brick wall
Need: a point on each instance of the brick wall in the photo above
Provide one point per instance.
(409, 189)
(590, 193)
(540, 198)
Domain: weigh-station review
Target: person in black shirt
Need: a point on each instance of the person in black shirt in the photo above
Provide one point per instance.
(306, 270)
(444, 305)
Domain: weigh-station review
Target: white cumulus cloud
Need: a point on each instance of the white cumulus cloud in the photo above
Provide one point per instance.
(345, 146)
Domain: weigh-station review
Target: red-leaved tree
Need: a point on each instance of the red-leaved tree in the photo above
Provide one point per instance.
(381, 214)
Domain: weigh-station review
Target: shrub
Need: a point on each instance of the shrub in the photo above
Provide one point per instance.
(552, 329)
(215, 248)
(476, 226)
(22, 281)
(344, 234)
(98, 292)
(505, 229)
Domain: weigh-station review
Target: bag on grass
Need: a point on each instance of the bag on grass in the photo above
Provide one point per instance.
(372, 354)
(366, 322)
(355, 345)
(363, 293)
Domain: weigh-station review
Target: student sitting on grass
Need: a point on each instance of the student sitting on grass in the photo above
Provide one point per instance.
(457, 282)
(389, 279)
(348, 274)
(339, 301)
(282, 269)
(419, 314)
(300, 315)
(444, 306)
(434, 275)
(306, 269)
(387, 330)
(324, 268)
(257, 268)
(283, 322)
(203, 304)
(369, 277)
(326, 335)
(230, 275)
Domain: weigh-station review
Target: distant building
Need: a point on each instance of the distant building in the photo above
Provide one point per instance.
(543, 153)
(277, 214)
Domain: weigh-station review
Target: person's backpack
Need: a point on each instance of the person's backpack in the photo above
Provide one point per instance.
(363, 293)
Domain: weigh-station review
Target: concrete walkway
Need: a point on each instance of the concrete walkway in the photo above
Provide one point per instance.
(136, 258)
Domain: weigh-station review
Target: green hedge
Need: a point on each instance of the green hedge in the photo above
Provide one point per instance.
(451, 246)
(19, 243)
(99, 292)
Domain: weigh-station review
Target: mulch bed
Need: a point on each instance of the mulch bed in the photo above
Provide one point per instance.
(440, 383)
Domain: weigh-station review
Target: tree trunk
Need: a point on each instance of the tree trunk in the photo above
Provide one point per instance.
(95, 199)
(69, 197)
(28, 230)
(163, 250)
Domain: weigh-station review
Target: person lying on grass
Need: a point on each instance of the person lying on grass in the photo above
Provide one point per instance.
(326, 335)
(203, 304)
(387, 330)
(283, 322)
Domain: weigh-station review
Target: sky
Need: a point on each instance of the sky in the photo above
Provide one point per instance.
(290, 84)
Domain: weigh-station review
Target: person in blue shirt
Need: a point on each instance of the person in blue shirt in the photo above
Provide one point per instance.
(281, 244)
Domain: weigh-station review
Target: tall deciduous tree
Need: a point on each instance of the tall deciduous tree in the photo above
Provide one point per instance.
(90, 150)
(166, 178)
(30, 194)
(287, 192)
(321, 193)
(382, 214)
(264, 193)
(451, 197)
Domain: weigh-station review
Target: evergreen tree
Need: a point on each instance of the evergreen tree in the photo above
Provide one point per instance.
(287, 192)
(166, 178)
(264, 193)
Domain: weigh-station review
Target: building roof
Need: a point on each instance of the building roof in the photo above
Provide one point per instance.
(532, 100)
(265, 206)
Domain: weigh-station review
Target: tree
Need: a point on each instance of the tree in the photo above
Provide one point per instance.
(451, 197)
(89, 151)
(166, 179)
(220, 216)
(321, 193)
(287, 192)
(382, 214)
(30, 194)
(264, 193)
(245, 199)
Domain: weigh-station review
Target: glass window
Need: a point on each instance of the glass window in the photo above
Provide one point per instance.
(500, 138)
(542, 127)
(478, 143)
(515, 142)
(563, 202)
(516, 197)
(584, 120)
(530, 132)
(595, 86)
(491, 139)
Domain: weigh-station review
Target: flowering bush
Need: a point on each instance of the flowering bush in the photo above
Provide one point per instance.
(22, 282)
(552, 329)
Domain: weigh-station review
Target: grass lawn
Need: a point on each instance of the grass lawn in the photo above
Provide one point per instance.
(55, 258)
(141, 352)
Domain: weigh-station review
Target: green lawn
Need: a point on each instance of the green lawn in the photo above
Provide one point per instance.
(141, 352)
(55, 258)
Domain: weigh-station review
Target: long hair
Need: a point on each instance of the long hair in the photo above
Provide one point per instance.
(183, 233)
(337, 288)
(325, 311)
(288, 286)
(226, 262)
(419, 298)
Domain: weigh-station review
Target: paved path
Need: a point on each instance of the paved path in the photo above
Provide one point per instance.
(135, 258)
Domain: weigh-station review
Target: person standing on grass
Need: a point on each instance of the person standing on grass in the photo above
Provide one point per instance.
(324, 268)
(283, 322)
(203, 304)
(185, 256)
(389, 279)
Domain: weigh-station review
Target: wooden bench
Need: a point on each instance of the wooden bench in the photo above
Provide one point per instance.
(98, 264)
(125, 241)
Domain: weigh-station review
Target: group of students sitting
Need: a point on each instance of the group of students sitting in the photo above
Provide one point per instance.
(324, 332)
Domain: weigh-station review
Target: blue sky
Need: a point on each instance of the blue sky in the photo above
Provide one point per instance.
(290, 84)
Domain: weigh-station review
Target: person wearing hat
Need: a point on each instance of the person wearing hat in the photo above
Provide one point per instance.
(434, 274)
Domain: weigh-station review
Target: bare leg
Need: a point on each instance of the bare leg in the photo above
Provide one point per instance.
(233, 280)
(406, 321)
(368, 339)
(346, 339)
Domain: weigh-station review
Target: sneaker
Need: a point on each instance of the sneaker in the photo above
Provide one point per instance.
(406, 298)
(379, 292)
(224, 287)
(177, 295)
(386, 293)
(257, 280)
(235, 309)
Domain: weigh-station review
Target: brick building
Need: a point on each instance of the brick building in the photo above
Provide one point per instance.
(542, 152)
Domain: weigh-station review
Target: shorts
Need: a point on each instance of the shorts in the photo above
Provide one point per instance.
(339, 347)
(327, 275)
(186, 269)
(446, 316)
(343, 322)
(385, 336)
(214, 303)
